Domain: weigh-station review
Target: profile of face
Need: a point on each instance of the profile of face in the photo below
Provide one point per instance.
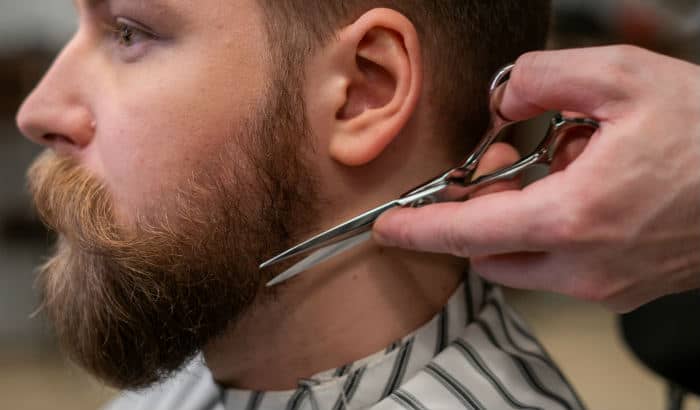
(173, 169)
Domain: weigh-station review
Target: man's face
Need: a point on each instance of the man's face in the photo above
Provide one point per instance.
(173, 171)
(161, 107)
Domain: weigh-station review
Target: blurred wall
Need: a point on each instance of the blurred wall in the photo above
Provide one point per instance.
(31, 34)
(27, 24)
(668, 26)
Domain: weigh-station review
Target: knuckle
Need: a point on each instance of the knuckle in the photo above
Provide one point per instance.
(571, 227)
(627, 51)
(516, 83)
(405, 236)
(577, 222)
(527, 62)
(623, 66)
(589, 288)
(454, 242)
(625, 57)
(455, 236)
(598, 286)
(565, 231)
(527, 77)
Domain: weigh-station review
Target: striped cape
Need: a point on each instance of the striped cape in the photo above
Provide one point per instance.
(475, 354)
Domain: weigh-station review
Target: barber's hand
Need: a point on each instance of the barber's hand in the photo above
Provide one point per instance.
(620, 224)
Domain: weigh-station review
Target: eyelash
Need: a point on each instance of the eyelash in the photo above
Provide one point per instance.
(124, 32)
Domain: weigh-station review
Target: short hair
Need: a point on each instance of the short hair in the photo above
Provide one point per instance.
(464, 43)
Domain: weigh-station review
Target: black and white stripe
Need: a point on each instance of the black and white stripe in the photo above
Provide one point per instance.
(297, 399)
(342, 370)
(471, 354)
(349, 389)
(399, 369)
(523, 378)
(539, 355)
(395, 345)
(454, 386)
(407, 400)
(519, 327)
(469, 299)
(519, 357)
(255, 400)
(442, 335)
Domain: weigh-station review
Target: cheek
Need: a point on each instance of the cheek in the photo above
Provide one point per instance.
(151, 141)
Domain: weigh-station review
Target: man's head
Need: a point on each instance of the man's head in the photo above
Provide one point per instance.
(192, 140)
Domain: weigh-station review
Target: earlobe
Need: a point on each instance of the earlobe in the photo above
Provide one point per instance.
(382, 87)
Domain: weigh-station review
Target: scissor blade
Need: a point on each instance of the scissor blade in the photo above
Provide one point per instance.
(319, 256)
(333, 235)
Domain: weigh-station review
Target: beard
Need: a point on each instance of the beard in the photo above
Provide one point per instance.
(132, 305)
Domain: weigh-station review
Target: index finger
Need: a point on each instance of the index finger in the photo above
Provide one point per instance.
(589, 81)
(497, 223)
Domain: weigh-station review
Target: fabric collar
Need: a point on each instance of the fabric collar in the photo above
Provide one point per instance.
(369, 380)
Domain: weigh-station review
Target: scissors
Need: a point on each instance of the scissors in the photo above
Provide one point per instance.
(453, 185)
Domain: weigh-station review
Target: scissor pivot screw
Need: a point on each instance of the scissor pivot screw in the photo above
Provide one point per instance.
(424, 202)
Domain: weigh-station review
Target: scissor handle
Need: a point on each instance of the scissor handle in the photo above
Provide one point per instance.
(501, 77)
(558, 130)
(496, 122)
(465, 171)
(458, 183)
(545, 152)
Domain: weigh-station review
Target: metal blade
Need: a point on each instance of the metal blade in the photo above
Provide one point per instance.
(319, 256)
(335, 234)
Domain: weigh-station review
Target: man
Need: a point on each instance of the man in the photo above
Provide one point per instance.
(189, 141)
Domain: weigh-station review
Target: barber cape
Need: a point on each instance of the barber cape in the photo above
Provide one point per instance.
(475, 354)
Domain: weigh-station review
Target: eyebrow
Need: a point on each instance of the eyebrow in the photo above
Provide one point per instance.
(90, 4)
(154, 8)
(93, 4)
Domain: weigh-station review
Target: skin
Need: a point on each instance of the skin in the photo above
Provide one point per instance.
(165, 106)
(620, 224)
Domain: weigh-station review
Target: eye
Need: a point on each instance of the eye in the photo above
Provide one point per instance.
(128, 34)
(130, 40)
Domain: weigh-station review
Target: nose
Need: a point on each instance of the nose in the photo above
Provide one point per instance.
(56, 113)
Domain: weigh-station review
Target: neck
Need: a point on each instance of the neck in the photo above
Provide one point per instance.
(341, 311)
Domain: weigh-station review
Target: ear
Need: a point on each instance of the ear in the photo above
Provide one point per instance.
(365, 86)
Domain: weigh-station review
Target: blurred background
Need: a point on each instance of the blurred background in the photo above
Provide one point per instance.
(609, 359)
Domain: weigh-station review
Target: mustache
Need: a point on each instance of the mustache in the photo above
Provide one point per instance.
(75, 204)
(70, 200)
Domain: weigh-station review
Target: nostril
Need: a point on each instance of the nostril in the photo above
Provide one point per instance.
(57, 139)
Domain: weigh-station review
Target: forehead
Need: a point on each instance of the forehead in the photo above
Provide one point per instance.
(210, 8)
(233, 18)
(155, 5)
(142, 3)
